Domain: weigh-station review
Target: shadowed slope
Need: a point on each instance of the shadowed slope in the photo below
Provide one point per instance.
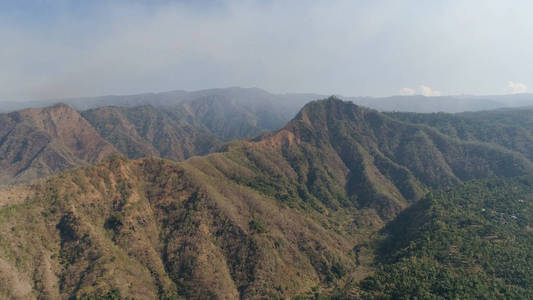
(146, 131)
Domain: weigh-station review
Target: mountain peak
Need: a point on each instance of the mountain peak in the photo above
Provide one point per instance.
(386, 163)
(332, 105)
(320, 114)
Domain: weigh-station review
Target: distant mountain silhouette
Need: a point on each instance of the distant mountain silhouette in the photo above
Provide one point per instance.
(288, 104)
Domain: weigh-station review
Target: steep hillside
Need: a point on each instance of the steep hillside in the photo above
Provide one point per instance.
(153, 228)
(470, 242)
(38, 142)
(290, 213)
(373, 159)
(146, 131)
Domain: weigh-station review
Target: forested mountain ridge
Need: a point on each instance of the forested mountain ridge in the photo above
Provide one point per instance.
(512, 129)
(399, 158)
(292, 212)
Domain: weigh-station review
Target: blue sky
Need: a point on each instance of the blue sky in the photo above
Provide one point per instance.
(60, 48)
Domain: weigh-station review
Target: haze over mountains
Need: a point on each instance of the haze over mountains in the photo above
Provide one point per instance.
(248, 97)
(284, 213)
(449, 104)
(289, 104)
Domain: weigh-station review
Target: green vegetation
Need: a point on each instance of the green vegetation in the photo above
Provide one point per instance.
(469, 242)
(111, 295)
(512, 129)
(257, 226)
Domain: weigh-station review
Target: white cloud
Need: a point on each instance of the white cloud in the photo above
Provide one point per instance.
(422, 90)
(516, 88)
(427, 91)
(407, 91)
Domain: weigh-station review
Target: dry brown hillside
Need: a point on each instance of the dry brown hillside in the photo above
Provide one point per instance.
(37, 142)
(153, 228)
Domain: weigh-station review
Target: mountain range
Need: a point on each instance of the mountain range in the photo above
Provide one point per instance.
(285, 105)
(342, 201)
(196, 125)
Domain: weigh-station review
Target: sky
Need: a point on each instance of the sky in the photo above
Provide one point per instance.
(60, 48)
